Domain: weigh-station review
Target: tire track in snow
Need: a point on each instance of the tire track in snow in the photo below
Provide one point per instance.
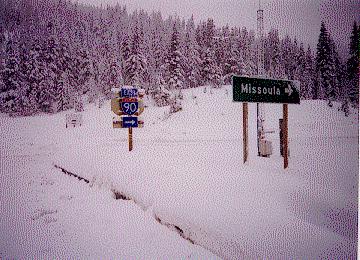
(216, 244)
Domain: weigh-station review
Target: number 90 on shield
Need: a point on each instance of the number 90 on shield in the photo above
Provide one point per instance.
(129, 108)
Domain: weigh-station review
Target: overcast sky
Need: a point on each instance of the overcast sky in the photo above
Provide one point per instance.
(300, 18)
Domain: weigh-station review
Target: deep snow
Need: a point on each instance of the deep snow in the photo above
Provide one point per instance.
(186, 169)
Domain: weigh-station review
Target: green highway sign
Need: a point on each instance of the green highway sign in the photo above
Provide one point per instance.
(262, 90)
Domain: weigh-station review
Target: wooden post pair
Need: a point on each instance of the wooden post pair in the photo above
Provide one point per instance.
(285, 133)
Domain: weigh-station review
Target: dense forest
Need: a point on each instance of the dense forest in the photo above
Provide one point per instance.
(56, 55)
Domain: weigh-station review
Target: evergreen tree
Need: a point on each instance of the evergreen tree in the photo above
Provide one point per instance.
(64, 97)
(210, 71)
(136, 64)
(10, 77)
(337, 79)
(249, 52)
(160, 94)
(233, 60)
(62, 93)
(273, 64)
(325, 67)
(125, 55)
(192, 58)
(85, 70)
(36, 74)
(64, 50)
(52, 68)
(175, 62)
(353, 66)
(209, 34)
(299, 63)
(308, 78)
(24, 102)
(343, 90)
(113, 77)
(287, 58)
(223, 54)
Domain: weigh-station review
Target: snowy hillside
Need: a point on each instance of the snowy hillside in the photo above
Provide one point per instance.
(183, 192)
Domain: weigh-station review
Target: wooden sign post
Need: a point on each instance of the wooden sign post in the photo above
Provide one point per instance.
(130, 139)
(128, 105)
(245, 131)
(285, 135)
(265, 90)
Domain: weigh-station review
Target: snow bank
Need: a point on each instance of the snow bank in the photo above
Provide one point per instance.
(186, 170)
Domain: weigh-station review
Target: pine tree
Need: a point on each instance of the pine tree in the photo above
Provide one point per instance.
(209, 33)
(36, 74)
(62, 93)
(113, 76)
(299, 63)
(249, 51)
(233, 60)
(160, 94)
(136, 63)
(85, 70)
(223, 54)
(337, 79)
(125, 55)
(308, 77)
(273, 64)
(175, 62)
(63, 89)
(343, 90)
(10, 78)
(52, 72)
(353, 66)
(325, 67)
(192, 58)
(287, 58)
(25, 105)
(210, 71)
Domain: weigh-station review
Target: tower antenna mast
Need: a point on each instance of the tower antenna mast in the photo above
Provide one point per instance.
(261, 73)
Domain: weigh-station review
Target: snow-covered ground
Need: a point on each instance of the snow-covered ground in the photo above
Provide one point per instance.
(187, 192)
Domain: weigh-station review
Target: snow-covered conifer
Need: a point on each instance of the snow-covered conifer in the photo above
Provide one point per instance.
(136, 64)
(273, 64)
(160, 94)
(175, 60)
(325, 66)
(10, 77)
(353, 65)
(232, 55)
(299, 62)
(125, 55)
(211, 73)
(191, 54)
(308, 78)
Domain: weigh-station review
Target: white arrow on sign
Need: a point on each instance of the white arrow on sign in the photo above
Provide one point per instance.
(289, 90)
(131, 122)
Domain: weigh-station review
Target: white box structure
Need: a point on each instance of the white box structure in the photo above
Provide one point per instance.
(73, 119)
(265, 148)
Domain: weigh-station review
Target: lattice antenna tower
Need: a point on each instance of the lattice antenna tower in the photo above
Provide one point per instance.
(261, 73)
(260, 33)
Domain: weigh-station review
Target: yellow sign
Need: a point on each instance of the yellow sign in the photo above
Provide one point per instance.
(115, 106)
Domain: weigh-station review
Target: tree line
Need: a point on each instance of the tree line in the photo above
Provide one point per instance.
(56, 53)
